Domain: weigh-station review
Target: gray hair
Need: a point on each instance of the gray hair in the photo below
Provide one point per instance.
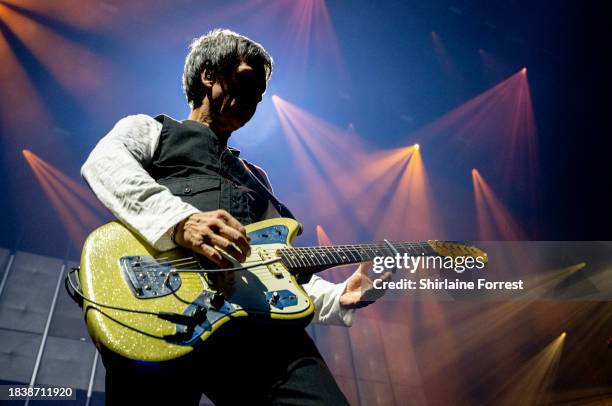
(221, 51)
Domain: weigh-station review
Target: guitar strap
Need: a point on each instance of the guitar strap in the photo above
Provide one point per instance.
(262, 188)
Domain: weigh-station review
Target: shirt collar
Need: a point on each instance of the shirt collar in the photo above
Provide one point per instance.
(234, 151)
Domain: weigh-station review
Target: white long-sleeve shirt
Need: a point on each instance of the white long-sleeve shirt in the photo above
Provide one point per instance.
(115, 171)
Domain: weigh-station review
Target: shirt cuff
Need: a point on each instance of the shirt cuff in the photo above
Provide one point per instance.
(164, 242)
(345, 314)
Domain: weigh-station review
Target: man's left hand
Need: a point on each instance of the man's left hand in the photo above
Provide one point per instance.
(359, 291)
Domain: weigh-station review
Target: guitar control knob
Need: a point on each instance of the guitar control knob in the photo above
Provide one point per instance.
(198, 314)
(183, 332)
(275, 297)
(217, 300)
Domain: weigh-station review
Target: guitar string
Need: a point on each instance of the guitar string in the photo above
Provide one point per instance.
(158, 314)
(306, 254)
(191, 259)
(182, 263)
(237, 268)
(358, 247)
(262, 274)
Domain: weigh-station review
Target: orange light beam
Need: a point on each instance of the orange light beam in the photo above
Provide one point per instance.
(494, 220)
(443, 58)
(323, 142)
(86, 70)
(86, 217)
(409, 214)
(338, 274)
(322, 237)
(84, 194)
(531, 383)
(327, 201)
(76, 216)
(316, 144)
(74, 229)
(90, 18)
(68, 195)
(498, 124)
(463, 115)
(17, 87)
(381, 175)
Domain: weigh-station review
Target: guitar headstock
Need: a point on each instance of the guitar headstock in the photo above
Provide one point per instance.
(457, 249)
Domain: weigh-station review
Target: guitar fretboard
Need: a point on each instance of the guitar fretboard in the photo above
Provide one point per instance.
(315, 259)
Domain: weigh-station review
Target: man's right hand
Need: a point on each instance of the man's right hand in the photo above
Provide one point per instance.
(209, 232)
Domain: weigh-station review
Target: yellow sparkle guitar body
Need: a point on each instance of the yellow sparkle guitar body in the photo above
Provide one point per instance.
(158, 306)
(142, 306)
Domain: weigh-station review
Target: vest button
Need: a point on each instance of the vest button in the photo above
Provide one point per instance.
(187, 189)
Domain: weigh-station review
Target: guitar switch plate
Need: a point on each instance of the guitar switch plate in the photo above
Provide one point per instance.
(276, 234)
(205, 316)
(281, 298)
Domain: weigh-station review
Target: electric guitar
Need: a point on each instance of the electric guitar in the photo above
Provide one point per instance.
(157, 306)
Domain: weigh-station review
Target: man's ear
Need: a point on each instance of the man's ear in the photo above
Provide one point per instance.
(208, 78)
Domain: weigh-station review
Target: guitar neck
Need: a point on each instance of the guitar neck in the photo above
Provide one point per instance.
(316, 259)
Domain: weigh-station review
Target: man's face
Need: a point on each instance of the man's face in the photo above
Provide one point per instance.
(235, 97)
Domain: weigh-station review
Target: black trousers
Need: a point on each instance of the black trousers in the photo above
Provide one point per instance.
(255, 365)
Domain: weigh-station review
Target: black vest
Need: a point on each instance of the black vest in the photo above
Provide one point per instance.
(195, 166)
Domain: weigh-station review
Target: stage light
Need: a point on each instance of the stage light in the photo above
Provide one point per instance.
(524, 71)
(52, 49)
(446, 61)
(67, 198)
(314, 144)
(493, 218)
(18, 87)
(392, 184)
(322, 237)
(497, 128)
(531, 383)
(475, 329)
(494, 68)
(411, 210)
(86, 18)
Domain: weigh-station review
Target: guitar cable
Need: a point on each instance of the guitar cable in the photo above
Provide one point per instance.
(177, 318)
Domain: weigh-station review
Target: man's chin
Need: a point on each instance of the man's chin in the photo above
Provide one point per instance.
(243, 119)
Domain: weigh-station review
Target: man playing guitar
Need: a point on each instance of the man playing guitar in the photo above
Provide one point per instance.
(178, 183)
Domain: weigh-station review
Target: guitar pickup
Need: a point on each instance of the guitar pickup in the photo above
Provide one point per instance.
(276, 268)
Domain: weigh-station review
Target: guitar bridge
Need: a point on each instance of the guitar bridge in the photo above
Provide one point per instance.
(149, 278)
